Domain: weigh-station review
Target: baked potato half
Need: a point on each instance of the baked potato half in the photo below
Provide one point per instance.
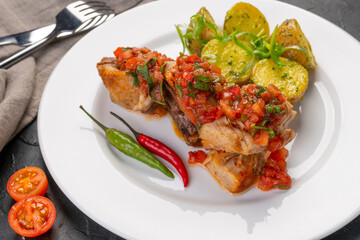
(246, 18)
(291, 78)
(288, 34)
(206, 34)
(230, 58)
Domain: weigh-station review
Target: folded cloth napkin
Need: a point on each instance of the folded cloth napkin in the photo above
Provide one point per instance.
(21, 85)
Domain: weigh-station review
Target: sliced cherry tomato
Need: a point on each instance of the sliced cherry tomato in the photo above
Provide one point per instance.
(26, 182)
(32, 216)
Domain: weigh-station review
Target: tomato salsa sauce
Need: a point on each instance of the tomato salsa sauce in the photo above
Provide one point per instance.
(204, 96)
(274, 174)
(196, 82)
(146, 67)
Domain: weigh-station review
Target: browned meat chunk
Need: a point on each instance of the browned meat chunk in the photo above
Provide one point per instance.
(120, 86)
(186, 127)
(222, 135)
(231, 137)
(235, 172)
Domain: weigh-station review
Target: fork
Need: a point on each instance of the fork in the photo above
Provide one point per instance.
(77, 16)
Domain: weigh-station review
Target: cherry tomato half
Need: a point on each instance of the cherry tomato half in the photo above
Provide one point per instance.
(32, 216)
(26, 182)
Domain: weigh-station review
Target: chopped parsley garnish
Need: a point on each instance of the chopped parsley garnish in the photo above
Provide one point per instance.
(261, 90)
(162, 67)
(202, 78)
(190, 86)
(134, 75)
(286, 76)
(243, 118)
(161, 93)
(203, 86)
(143, 70)
(231, 85)
(271, 132)
(193, 95)
(275, 109)
(178, 89)
(237, 75)
(264, 122)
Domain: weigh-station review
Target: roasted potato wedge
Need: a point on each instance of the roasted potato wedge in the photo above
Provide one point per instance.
(230, 58)
(289, 33)
(246, 18)
(206, 34)
(291, 79)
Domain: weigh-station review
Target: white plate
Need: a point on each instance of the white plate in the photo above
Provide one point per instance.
(136, 202)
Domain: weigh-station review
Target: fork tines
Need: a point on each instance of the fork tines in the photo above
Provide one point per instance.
(92, 13)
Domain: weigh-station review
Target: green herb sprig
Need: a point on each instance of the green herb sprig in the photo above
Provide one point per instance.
(194, 32)
(144, 71)
(271, 132)
(261, 45)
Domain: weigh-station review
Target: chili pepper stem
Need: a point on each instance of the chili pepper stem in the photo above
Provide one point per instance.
(136, 133)
(96, 121)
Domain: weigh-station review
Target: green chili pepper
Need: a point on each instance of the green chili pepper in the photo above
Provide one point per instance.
(127, 145)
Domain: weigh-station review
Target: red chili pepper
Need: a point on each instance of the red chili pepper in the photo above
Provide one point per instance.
(157, 147)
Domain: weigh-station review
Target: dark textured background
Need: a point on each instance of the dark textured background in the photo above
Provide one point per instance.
(71, 223)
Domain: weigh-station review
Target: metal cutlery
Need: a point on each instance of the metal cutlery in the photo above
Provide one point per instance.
(28, 37)
(76, 17)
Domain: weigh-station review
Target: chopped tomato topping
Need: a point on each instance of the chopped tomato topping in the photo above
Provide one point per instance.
(134, 59)
(228, 111)
(274, 174)
(258, 108)
(276, 93)
(195, 82)
(261, 138)
(197, 157)
(266, 96)
(275, 143)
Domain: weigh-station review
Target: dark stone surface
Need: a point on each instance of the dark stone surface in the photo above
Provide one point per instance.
(71, 223)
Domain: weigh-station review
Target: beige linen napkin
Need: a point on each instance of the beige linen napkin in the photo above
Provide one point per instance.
(21, 86)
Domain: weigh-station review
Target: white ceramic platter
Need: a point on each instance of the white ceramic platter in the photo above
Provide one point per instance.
(137, 202)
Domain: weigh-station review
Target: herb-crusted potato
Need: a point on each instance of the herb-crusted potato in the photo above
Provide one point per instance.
(246, 18)
(230, 58)
(291, 79)
(289, 33)
(206, 34)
